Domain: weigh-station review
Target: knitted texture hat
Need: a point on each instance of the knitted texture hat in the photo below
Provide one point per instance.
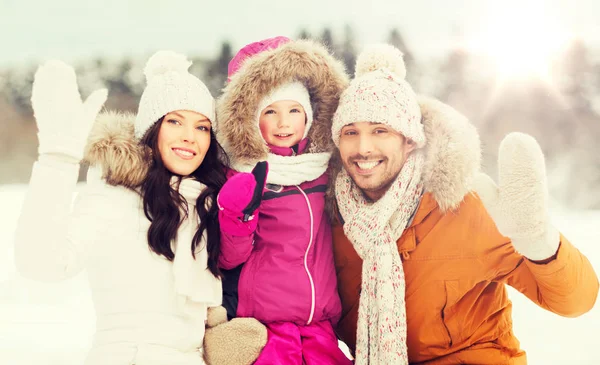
(295, 91)
(380, 94)
(171, 87)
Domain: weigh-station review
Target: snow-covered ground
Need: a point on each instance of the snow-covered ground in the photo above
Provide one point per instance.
(52, 324)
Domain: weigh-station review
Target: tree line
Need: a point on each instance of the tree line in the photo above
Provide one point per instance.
(561, 111)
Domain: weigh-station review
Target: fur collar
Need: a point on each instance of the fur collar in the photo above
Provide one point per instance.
(304, 61)
(452, 155)
(112, 147)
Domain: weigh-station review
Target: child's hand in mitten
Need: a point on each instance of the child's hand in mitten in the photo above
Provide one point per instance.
(239, 200)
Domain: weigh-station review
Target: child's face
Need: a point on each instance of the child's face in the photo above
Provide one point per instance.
(183, 139)
(282, 123)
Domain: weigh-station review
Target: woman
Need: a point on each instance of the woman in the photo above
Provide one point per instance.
(144, 227)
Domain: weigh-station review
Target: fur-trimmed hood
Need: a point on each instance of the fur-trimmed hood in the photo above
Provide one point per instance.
(452, 155)
(305, 61)
(113, 148)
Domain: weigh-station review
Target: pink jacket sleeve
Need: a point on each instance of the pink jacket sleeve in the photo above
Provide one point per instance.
(235, 250)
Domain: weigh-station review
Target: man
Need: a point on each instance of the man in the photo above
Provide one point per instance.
(421, 263)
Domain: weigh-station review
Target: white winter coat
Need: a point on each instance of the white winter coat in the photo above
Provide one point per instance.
(150, 311)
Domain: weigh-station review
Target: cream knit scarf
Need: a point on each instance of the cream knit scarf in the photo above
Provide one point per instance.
(373, 229)
(195, 285)
(291, 170)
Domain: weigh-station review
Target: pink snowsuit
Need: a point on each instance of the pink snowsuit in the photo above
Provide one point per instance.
(288, 281)
(287, 277)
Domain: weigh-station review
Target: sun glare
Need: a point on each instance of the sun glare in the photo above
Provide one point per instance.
(520, 37)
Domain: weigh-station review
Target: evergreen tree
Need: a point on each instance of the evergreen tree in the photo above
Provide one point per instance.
(216, 73)
(396, 40)
(349, 50)
(575, 73)
(304, 34)
(327, 39)
(453, 73)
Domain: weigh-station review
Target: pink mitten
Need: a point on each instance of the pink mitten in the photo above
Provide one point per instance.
(239, 200)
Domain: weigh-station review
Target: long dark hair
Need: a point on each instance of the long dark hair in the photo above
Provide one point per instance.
(163, 203)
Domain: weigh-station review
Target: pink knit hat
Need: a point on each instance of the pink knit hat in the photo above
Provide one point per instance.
(250, 50)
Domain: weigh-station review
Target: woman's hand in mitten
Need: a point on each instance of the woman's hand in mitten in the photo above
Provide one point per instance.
(239, 341)
(63, 120)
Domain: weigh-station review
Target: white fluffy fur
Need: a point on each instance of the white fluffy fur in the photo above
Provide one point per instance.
(453, 153)
(519, 205)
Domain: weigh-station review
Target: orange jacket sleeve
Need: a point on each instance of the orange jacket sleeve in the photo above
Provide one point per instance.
(567, 285)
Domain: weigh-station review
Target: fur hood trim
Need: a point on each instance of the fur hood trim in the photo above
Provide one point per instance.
(113, 147)
(305, 61)
(452, 153)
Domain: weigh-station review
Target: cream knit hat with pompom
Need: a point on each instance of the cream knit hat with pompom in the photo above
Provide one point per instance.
(380, 94)
(171, 87)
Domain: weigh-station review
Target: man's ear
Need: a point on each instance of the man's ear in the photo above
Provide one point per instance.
(409, 146)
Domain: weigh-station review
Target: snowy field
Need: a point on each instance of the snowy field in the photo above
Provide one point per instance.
(52, 324)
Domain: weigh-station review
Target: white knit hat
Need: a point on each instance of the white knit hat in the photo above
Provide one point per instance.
(379, 94)
(295, 91)
(171, 87)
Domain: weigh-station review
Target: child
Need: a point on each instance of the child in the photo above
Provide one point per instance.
(277, 107)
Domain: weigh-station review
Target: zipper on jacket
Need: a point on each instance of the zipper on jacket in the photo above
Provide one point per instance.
(310, 242)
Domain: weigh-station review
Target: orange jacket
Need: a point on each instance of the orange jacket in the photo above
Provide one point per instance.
(456, 265)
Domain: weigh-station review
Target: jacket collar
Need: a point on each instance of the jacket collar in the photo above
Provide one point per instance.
(297, 149)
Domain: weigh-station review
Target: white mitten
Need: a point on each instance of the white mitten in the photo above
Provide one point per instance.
(63, 120)
(519, 206)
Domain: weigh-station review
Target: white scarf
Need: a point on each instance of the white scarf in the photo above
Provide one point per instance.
(291, 170)
(373, 229)
(195, 285)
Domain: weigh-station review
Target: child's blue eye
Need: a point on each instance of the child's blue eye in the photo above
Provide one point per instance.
(270, 111)
(203, 128)
(173, 121)
(295, 110)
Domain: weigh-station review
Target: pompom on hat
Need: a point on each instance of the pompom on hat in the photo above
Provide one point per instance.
(171, 87)
(380, 94)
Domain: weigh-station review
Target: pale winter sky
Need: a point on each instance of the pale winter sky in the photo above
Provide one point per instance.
(80, 29)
